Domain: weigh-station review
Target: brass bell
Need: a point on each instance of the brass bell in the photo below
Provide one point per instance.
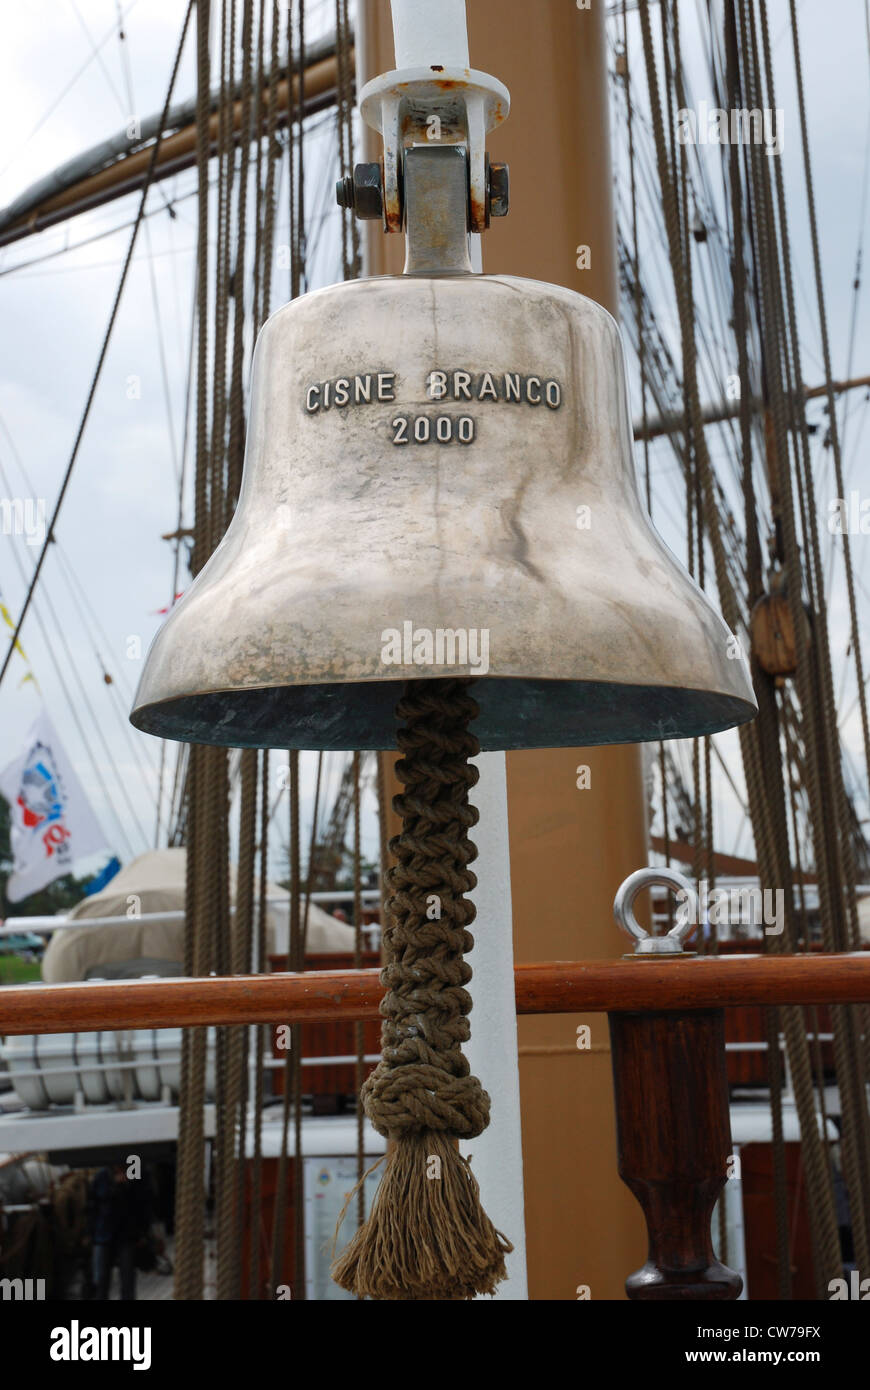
(439, 481)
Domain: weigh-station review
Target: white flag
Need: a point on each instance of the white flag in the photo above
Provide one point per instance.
(51, 821)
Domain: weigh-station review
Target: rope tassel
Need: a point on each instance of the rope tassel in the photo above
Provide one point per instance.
(427, 1236)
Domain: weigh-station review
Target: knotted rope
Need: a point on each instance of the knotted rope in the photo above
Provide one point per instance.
(427, 1236)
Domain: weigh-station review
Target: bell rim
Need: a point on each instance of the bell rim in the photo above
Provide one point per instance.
(603, 713)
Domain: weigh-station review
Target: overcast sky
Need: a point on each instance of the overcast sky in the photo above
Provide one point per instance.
(56, 100)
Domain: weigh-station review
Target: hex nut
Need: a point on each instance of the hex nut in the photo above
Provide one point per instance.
(368, 192)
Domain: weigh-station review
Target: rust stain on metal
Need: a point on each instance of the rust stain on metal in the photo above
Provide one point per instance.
(478, 213)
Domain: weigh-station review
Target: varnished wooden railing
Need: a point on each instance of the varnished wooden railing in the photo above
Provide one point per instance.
(668, 1056)
(611, 986)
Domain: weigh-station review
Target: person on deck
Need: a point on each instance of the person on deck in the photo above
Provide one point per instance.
(120, 1221)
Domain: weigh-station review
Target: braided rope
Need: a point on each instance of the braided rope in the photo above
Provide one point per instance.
(422, 1081)
(428, 1237)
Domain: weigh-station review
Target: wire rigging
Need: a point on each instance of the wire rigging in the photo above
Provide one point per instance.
(101, 359)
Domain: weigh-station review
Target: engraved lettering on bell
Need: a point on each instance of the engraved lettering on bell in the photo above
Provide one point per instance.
(595, 635)
(494, 386)
(360, 389)
(364, 388)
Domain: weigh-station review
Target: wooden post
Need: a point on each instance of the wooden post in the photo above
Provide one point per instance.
(674, 1133)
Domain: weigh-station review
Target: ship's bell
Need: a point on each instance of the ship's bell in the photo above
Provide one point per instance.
(439, 481)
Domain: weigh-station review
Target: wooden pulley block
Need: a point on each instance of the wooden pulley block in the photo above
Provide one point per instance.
(771, 629)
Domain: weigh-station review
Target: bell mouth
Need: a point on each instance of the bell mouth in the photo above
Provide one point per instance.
(515, 712)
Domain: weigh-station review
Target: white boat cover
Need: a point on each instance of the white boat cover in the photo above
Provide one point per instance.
(155, 882)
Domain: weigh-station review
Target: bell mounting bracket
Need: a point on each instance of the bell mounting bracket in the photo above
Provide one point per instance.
(432, 101)
(438, 106)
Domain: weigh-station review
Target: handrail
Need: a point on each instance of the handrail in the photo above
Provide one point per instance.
(599, 986)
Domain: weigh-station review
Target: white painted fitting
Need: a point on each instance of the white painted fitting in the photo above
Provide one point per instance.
(492, 1050)
(427, 32)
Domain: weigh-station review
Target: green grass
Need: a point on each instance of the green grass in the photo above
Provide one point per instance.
(15, 971)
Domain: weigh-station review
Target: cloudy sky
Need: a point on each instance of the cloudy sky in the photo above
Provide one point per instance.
(67, 81)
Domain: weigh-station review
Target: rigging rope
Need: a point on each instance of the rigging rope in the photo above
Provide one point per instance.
(293, 1051)
(292, 1076)
(261, 1249)
(256, 1233)
(834, 857)
(359, 1029)
(829, 391)
(299, 250)
(227, 1077)
(764, 808)
(190, 1197)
